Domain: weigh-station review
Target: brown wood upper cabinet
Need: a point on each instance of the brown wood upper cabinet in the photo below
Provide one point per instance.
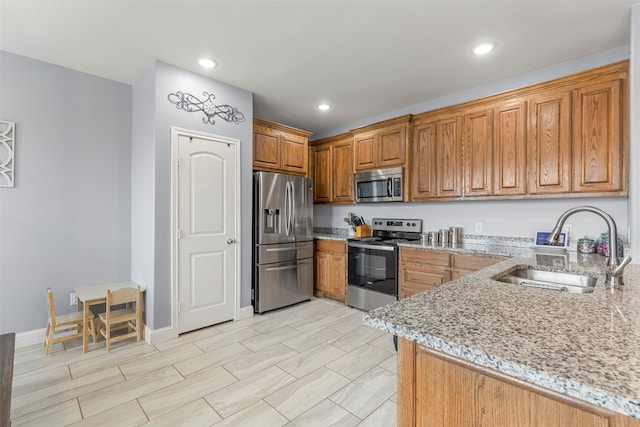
(332, 160)
(280, 148)
(381, 145)
(568, 137)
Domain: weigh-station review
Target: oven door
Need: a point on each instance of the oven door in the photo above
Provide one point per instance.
(373, 267)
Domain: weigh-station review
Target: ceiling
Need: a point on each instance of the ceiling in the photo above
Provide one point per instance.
(362, 57)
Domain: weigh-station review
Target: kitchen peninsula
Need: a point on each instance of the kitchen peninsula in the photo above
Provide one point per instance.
(478, 352)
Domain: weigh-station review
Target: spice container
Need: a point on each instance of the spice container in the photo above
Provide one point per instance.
(602, 245)
(586, 246)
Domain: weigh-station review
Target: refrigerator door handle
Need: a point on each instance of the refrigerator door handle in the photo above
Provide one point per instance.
(288, 267)
(292, 194)
(286, 209)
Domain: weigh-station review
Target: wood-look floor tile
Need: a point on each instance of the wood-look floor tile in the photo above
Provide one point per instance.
(246, 392)
(347, 322)
(391, 364)
(307, 340)
(365, 394)
(278, 320)
(313, 322)
(36, 380)
(133, 388)
(224, 354)
(268, 339)
(384, 342)
(301, 395)
(198, 413)
(356, 338)
(325, 413)
(358, 361)
(126, 415)
(310, 360)
(110, 359)
(384, 416)
(258, 414)
(151, 362)
(248, 365)
(238, 324)
(226, 338)
(63, 413)
(60, 392)
(193, 336)
(179, 394)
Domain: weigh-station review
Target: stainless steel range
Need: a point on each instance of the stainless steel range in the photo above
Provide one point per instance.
(373, 262)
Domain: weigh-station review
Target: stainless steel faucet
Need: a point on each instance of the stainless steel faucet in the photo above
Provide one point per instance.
(614, 269)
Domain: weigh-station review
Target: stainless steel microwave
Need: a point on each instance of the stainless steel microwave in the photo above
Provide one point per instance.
(382, 185)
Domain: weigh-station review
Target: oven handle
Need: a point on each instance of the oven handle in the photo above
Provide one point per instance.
(374, 247)
(389, 187)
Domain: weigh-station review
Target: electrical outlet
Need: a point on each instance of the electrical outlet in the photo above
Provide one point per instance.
(478, 227)
(73, 299)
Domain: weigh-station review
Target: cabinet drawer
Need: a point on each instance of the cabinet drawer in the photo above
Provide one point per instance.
(411, 288)
(474, 262)
(425, 256)
(331, 245)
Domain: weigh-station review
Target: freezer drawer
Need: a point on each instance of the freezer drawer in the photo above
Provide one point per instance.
(284, 252)
(283, 284)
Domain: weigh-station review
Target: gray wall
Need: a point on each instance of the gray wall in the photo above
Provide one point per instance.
(168, 79)
(67, 221)
(504, 218)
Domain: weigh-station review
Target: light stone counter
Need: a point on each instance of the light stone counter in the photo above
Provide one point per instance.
(586, 346)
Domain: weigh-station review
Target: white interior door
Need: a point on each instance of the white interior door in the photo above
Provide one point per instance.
(207, 222)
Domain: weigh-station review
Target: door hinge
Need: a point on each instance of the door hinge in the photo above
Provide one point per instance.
(179, 161)
(178, 234)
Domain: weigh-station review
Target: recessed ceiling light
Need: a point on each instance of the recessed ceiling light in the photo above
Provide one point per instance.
(324, 107)
(206, 62)
(483, 48)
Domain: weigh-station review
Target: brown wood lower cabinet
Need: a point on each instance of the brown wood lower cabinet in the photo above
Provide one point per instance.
(422, 269)
(437, 390)
(331, 269)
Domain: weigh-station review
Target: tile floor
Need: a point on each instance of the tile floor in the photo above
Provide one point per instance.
(313, 364)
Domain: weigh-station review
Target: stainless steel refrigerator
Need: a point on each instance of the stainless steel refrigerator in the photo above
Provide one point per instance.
(283, 240)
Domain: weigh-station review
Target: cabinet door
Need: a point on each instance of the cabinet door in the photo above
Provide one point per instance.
(415, 278)
(342, 171)
(509, 149)
(597, 139)
(423, 182)
(392, 146)
(338, 277)
(448, 157)
(322, 173)
(266, 148)
(294, 154)
(549, 157)
(478, 145)
(323, 271)
(364, 151)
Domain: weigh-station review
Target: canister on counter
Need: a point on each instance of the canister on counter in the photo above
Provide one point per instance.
(434, 237)
(456, 234)
(586, 246)
(445, 237)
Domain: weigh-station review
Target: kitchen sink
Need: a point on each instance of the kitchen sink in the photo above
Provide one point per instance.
(572, 282)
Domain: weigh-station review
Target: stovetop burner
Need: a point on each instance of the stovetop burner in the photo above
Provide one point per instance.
(390, 232)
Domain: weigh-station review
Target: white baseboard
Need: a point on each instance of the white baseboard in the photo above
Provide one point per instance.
(25, 339)
(245, 312)
(159, 335)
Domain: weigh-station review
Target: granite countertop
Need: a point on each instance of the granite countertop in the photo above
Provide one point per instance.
(586, 346)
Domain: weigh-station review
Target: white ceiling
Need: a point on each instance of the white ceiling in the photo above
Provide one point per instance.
(363, 57)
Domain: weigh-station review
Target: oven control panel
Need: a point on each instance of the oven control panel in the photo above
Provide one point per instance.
(390, 224)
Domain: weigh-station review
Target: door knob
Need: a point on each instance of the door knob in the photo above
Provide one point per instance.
(231, 241)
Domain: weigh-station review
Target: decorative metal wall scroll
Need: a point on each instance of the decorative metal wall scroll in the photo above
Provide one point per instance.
(7, 153)
(191, 104)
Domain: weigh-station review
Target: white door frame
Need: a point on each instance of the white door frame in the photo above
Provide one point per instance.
(175, 132)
